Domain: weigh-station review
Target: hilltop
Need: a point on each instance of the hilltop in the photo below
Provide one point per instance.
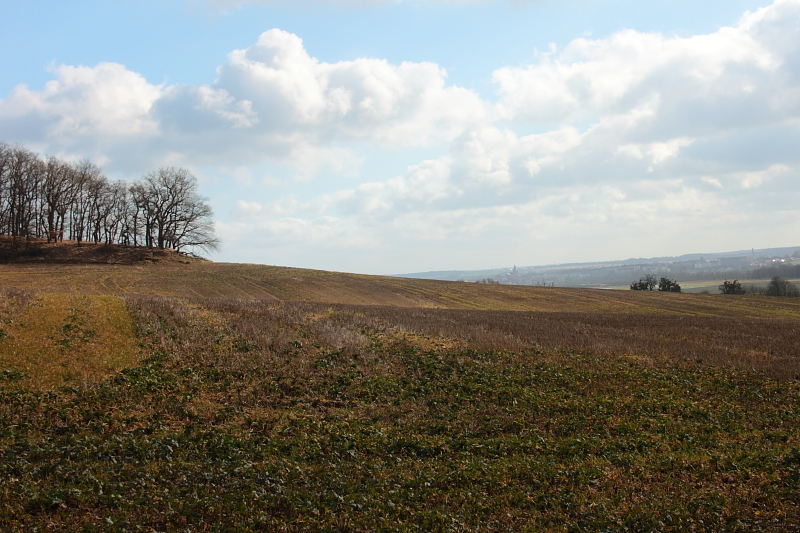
(39, 251)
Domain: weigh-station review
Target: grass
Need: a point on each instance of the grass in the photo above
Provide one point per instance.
(60, 339)
(283, 416)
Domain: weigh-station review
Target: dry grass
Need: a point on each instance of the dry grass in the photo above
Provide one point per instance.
(12, 303)
(770, 346)
(766, 345)
(61, 339)
(269, 283)
(276, 399)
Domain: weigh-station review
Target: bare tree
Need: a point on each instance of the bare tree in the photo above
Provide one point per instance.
(45, 198)
(57, 194)
(85, 175)
(176, 216)
(5, 191)
(731, 287)
(23, 173)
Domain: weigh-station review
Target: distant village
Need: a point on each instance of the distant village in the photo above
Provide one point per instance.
(708, 267)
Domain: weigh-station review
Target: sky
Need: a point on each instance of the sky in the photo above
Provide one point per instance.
(389, 136)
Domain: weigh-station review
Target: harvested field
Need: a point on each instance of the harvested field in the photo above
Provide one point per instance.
(258, 398)
(261, 282)
(771, 346)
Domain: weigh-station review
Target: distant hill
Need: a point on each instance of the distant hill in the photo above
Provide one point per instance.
(548, 271)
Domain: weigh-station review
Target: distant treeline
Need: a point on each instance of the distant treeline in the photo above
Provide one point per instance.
(779, 270)
(46, 197)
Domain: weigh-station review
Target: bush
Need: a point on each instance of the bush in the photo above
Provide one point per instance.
(731, 287)
(668, 285)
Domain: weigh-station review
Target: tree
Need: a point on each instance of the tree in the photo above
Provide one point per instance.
(175, 215)
(53, 199)
(781, 287)
(57, 194)
(88, 180)
(645, 283)
(668, 285)
(23, 174)
(731, 287)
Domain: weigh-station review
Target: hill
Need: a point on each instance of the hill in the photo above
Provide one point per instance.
(176, 277)
(165, 394)
(609, 274)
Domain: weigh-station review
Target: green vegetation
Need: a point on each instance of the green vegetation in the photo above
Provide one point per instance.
(781, 287)
(668, 285)
(645, 283)
(649, 283)
(258, 416)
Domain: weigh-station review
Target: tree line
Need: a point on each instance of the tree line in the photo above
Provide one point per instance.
(649, 283)
(776, 287)
(46, 197)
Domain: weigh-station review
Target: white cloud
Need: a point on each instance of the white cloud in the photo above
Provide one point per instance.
(633, 131)
(657, 152)
(697, 80)
(407, 104)
(270, 101)
(274, 100)
(106, 100)
(750, 180)
(714, 182)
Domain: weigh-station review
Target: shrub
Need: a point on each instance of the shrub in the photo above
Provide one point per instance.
(731, 287)
(668, 285)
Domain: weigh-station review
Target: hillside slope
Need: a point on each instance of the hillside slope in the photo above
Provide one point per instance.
(227, 280)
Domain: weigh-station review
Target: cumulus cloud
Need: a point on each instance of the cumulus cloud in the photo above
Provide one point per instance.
(696, 81)
(633, 130)
(271, 100)
(106, 100)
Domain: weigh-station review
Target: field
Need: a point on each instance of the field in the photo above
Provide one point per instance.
(713, 286)
(253, 398)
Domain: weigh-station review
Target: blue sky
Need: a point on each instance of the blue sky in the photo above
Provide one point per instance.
(387, 137)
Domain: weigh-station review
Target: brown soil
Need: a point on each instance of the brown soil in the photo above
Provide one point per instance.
(71, 252)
